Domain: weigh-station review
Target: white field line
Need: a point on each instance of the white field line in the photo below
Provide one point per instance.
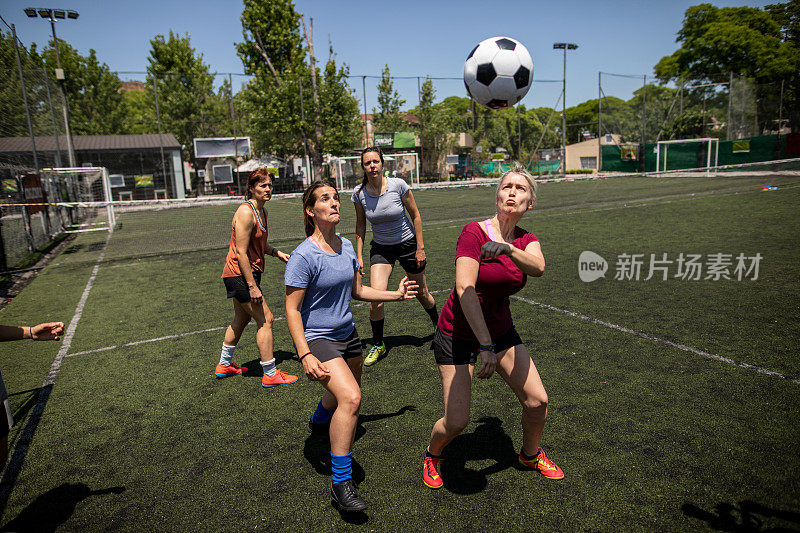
(659, 340)
(597, 321)
(458, 222)
(22, 445)
(176, 336)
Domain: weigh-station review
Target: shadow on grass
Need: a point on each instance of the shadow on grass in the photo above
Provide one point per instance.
(393, 341)
(488, 441)
(748, 516)
(354, 518)
(77, 247)
(24, 408)
(317, 448)
(51, 509)
(254, 366)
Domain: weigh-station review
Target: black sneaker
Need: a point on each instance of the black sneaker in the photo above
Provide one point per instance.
(319, 428)
(345, 497)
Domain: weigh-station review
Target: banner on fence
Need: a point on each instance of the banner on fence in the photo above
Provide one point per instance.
(398, 139)
(32, 185)
(143, 180)
(741, 147)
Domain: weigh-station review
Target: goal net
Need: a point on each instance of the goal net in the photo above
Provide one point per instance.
(687, 154)
(347, 173)
(79, 200)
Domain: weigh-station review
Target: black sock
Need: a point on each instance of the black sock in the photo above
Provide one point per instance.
(377, 331)
(434, 314)
(429, 454)
(526, 456)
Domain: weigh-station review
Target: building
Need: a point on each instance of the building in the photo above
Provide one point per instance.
(141, 167)
(583, 155)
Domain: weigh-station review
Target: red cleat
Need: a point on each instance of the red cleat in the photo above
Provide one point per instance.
(280, 378)
(540, 462)
(430, 472)
(230, 370)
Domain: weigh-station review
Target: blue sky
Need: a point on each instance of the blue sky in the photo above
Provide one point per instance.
(414, 37)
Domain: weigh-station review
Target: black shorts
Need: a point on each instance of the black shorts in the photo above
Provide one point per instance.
(404, 252)
(327, 349)
(454, 351)
(237, 287)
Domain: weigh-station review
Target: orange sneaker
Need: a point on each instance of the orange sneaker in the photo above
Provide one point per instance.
(540, 462)
(230, 370)
(280, 378)
(430, 472)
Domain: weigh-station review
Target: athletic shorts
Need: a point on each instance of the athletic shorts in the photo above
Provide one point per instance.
(237, 287)
(454, 351)
(327, 349)
(404, 252)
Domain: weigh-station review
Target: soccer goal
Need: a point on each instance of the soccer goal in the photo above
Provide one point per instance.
(347, 170)
(687, 154)
(80, 199)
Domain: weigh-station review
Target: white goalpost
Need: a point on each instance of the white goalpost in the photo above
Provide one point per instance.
(712, 147)
(347, 170)
(84, 192)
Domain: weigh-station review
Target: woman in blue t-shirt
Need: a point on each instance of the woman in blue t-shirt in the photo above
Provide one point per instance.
(395, 237)
(321, 276)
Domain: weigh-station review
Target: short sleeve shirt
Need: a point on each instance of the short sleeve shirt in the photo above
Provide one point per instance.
(328, 281)
(497, 280)
(386, 213)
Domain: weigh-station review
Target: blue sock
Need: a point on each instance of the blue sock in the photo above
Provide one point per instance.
(341, 468)
(321, 415)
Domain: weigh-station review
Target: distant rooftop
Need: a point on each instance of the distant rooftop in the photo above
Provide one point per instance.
(84, 143)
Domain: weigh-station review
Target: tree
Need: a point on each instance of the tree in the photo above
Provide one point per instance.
(388, 117)
(287, 116)
(95, 104)
(341, 121)
(13, 122)
(433, 130)
(787, 16)
(688, 125)
(188, 105)
(755, 43)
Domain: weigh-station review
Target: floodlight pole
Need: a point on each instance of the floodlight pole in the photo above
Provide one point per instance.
(61, 82)
(565, 47)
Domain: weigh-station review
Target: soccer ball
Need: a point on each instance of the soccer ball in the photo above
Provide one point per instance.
(498, 72)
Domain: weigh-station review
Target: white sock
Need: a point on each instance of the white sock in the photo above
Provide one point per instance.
(226, 356)
(269, 367)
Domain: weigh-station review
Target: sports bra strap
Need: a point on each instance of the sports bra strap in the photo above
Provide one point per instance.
(258, 218)
(489, 228)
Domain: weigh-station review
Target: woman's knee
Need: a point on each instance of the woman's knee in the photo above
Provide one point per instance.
(456, 423)
(350, 401)
(535, 402)
(266, 321)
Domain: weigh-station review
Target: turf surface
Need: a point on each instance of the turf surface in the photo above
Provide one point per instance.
(649, 436)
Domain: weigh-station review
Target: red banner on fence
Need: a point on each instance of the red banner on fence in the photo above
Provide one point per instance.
(32, 185)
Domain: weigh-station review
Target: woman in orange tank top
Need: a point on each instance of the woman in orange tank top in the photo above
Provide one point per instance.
(244, 265)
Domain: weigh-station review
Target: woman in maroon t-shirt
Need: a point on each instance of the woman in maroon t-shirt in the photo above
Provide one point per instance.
(493, 259)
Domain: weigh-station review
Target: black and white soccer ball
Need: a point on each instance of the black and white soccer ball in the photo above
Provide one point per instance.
(498, 72)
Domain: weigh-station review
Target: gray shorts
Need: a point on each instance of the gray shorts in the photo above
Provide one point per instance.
(327, 349)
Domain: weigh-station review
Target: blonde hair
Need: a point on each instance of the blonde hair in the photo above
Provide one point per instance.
(522, 171)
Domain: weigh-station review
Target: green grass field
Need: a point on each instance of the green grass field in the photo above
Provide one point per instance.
(650, 436)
